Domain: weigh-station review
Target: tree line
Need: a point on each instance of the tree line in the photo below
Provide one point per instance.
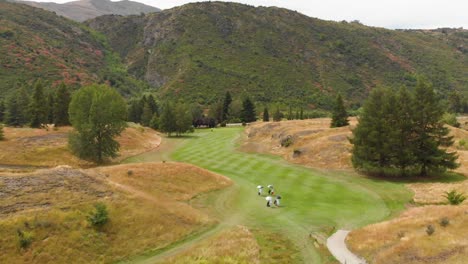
(22, 109)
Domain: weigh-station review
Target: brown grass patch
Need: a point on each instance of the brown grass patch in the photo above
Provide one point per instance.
(404, 239)
(236, 245)
(315, 144)
(53, 206)
(41, 147)
(433, 193)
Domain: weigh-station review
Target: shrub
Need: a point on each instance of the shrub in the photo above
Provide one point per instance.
(430, 230)
(444, 222)
(100, 216)
(462, 144)
(2, 137)
(454, 198)
(129, 173)
(287, 141)
(297, 152)
(24, 238)
(450, 119)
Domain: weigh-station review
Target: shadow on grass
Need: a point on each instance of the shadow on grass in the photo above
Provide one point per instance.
(185, 136)
(447, 177)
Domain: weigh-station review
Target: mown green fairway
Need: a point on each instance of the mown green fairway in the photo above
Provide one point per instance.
(312, 199)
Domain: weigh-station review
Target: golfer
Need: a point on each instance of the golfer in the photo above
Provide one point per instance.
(277, 201)
(260, 189)
(268, 198)
(270, 188)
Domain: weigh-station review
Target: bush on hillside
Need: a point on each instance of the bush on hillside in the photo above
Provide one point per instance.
(454, 198)
(24, 238)
(430, 230)
(100, 216)
(444, 222)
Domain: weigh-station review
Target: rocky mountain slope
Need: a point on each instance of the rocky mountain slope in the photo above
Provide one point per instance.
(199, 51)
(35, 43)
(86, 9)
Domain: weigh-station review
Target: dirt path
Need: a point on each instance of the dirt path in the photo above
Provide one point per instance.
(337, 246)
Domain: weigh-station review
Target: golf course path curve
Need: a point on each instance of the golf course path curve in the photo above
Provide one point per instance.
(337, 246)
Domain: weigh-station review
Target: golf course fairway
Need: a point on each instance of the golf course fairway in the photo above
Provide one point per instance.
(312, 200)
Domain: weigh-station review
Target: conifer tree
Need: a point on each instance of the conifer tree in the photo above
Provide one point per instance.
(277, 115)
(61, 105)
(226, 103)
(266, 116)
(431, 134)
(38, 106)
(339, 115)
(16, 108)
(135, 111)
(153, 105)
(50, 108)
(301, 114)
(248, 111)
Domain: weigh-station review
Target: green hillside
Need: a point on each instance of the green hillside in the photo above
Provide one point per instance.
(198, 51)
(35, 43)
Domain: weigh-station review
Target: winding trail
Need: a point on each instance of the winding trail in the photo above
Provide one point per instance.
(313, 200)
(337, 246)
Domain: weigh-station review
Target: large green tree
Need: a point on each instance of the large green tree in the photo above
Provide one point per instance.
(167, 119)
(339, 114)
(98, 113)
(17, 108)
(60, 107)
(431, 136)
(38, 106)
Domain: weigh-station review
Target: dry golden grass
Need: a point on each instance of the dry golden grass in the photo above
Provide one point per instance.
(235, 245)
(53, 206)
(320, 145)
(433, 193)
(404, 239)
(40, 147)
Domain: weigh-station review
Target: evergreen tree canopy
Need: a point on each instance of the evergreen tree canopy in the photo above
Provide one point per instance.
(266, 115)
(61, 104)
(17, 108)
(248, 113)
(402, 133)
(38, 106)
(97, 112)
(167, 119)
(277, 115)
(226, 104)
(339, 114)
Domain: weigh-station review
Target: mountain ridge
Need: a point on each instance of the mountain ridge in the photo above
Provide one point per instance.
(201, 50)
(82, 10)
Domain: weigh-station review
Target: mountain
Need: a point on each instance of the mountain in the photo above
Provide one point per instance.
(37, 44)
(86, 9)
(199, 51)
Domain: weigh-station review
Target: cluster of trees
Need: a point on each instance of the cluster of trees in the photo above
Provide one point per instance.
(21, 109)
(402, 133)
(143, 110)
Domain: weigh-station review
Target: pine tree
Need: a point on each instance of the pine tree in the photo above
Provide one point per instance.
(290, 114)
(301, 114)
(266, 116)
(431, 134)
(135, 111)
(226, 103)
(16, 108)
(248, 111)
(61, 105)
(50, 108)
(369, 137)
(153, 105)
(339, 115)
(277, 115)
(38, 106)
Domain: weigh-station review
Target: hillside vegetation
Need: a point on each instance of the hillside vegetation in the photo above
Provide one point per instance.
(35, 43)
(198, 51)
(51, 207)
(86, 9)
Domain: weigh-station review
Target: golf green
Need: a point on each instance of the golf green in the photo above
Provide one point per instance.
(312, 199)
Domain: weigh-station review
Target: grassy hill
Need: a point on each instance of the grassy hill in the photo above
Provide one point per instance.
(198, 51)
(35, 43)
(86, 9)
